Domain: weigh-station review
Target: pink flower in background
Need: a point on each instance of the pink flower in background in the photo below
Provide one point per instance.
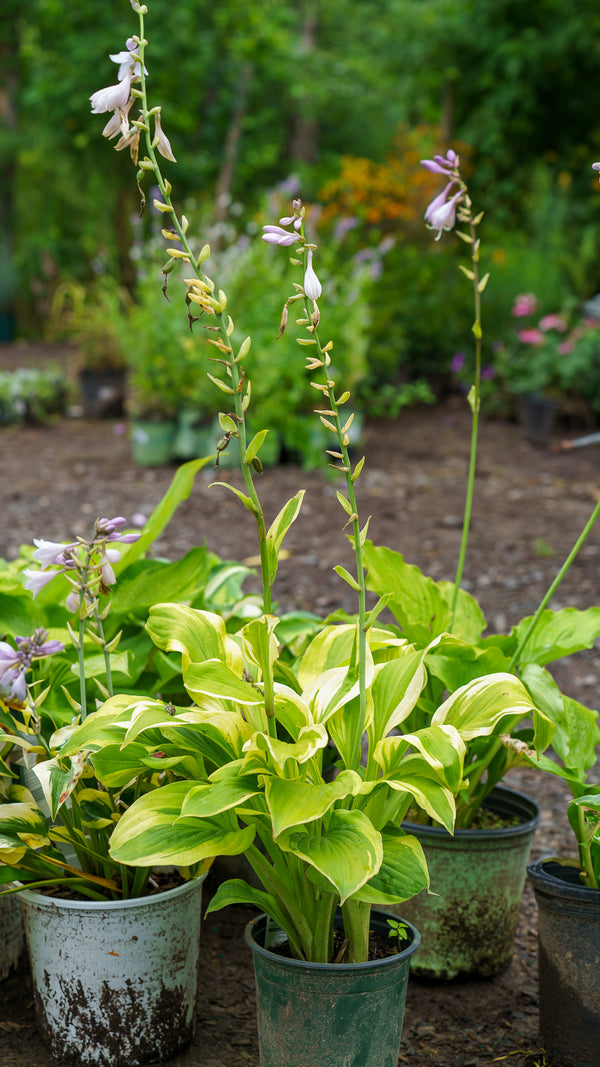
(531, 337)
(525, 304)
(566, 347)
(553, 322)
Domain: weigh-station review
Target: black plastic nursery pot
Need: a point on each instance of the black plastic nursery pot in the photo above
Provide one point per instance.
(347, 1014)
(468, 920)
(569, 964)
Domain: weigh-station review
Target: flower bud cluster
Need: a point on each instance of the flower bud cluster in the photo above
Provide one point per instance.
(441, 213)
(14, 663)
(278, 235)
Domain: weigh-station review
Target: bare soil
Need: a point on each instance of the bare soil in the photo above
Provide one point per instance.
(531, 504)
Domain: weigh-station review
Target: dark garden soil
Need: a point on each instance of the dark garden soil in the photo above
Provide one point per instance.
(531, 504)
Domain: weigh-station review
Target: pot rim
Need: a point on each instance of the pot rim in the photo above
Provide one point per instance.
(45, 900)
(550, 885)
(331, 968)
(498, 793)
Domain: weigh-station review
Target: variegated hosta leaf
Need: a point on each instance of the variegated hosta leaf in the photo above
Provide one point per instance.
(220, 736)
(236, 891)
(395, 691)
(259, 644)
(264, 754)
(290, 710)
(22, 824)
(403, 872)
(333, 646)
(214, 679)
(58, 780)
(414, 775)
(227, 788)
(115, 766)
(153, 833)
(444, 750)
(346, 849)
(476, 708)
(295, 803)
(108, 724)
(198, 635)
(95, 808)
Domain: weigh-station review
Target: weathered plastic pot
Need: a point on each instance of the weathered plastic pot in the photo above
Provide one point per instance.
(325, 1013)
(11, 934)
(115, 982)
(569, 964)
(152, 443)
(468, 920)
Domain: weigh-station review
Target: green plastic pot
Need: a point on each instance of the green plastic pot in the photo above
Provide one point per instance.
(345, 1014)
(469, 918)
(152, 442)
(569, 964)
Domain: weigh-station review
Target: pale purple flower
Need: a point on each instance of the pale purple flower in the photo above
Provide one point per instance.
(163, 143)
(525, 304)
(276, 235)
(49, 553)
(312, 285)
(447, 164)
(111, 98)
(441, 213)
(128, 66)
(596, 167)
(488, 372)
(36, 580)
(14, 663)
(458, 362)
(119, 122)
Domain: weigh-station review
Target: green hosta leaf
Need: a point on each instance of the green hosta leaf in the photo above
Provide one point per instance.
(576, 732)
(268, 754)
(152, 832)
(226, 789)
(557, 634)
(403, 872)
(151, 581)
(198, 635)
(236, 891)
(115, 767)
(455, 662)
(220, 736)
(476, 708)
(396, 689)
(421, 606)
(254, 446)
(293, 803)
(347, 851)
(278, 529)
(107, 725)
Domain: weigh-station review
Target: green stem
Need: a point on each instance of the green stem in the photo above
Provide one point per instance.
(554, 586)
(475, 403)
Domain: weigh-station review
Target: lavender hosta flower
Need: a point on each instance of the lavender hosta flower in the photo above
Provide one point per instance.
(596, 167)
(458, 362)
(276, 235)
(111, 98)
(163, 144)
(447, 164)
(312, 285)
(119, 122)
(129, 66)
(14, 663)
(36, 580)
(441, 213)
(48, 553)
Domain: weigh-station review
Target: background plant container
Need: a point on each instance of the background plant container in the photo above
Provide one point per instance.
(114, 982)
(538, 414)
(327, 1013)
(469, 919)
(11, 934)
(569, 964)
(102, 393)
(152, 442)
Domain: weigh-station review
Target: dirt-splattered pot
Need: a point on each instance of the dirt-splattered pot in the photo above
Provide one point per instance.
(115, 981)
(569, 963)
(468, 920)
(343, 1014)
